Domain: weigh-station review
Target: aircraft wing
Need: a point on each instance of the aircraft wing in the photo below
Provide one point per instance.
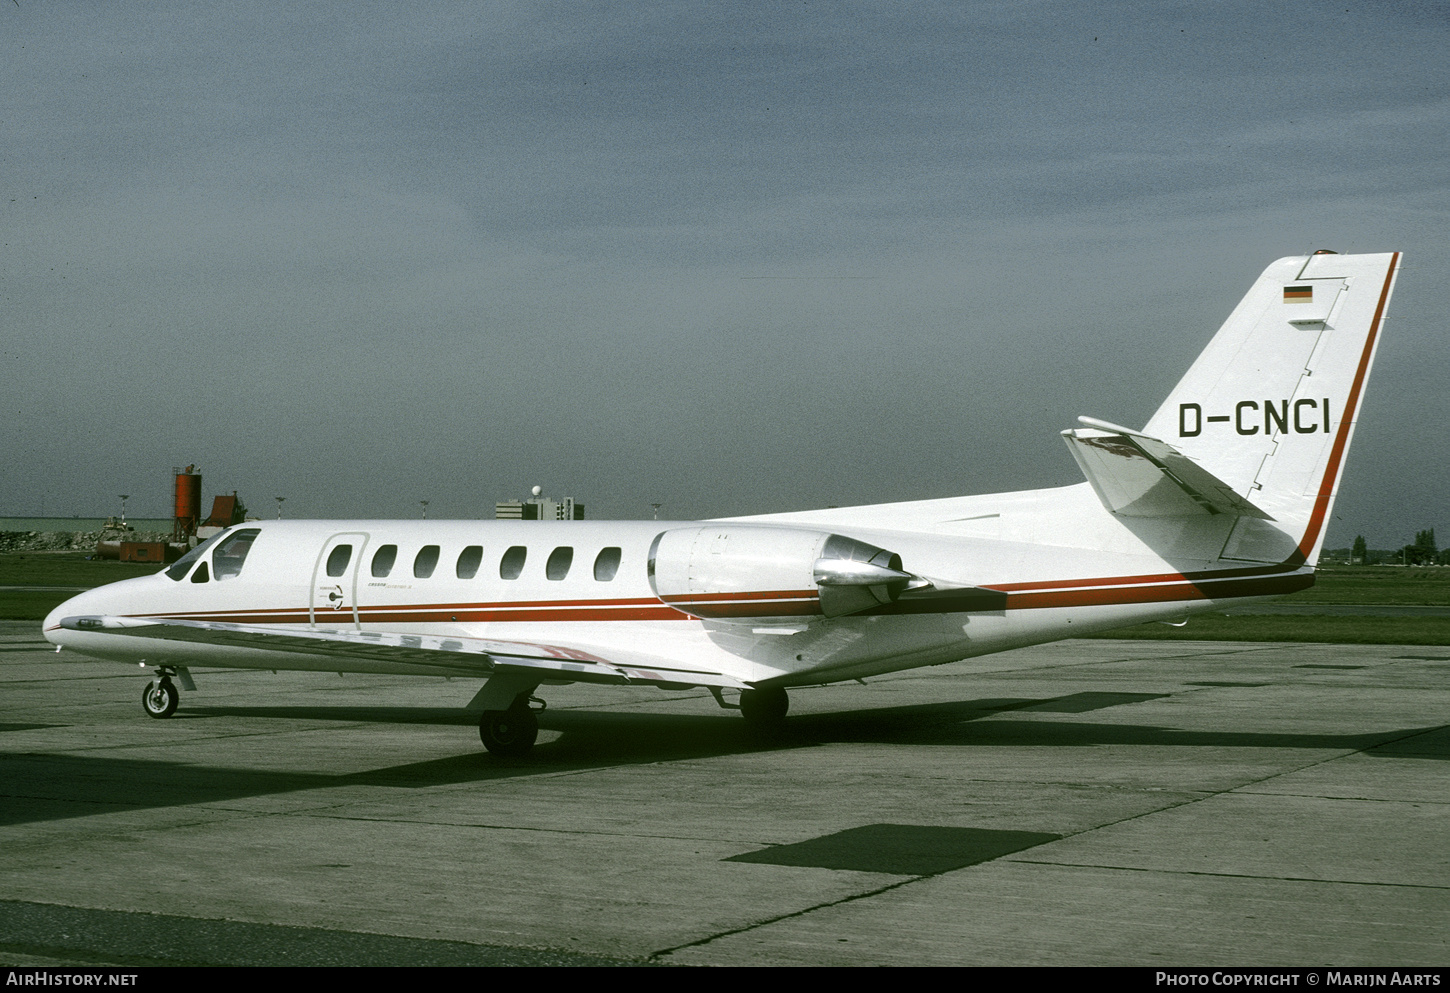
(1138, 476)
(480, 657)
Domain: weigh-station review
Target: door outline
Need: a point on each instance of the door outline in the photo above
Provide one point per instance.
(325, 588)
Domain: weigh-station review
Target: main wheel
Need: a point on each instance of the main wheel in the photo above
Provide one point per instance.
(160, 698)
(508, 733)
(764, 707)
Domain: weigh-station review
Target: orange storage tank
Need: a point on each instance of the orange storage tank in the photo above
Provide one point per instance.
(188, 500)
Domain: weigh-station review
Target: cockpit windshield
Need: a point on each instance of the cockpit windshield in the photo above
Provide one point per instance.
(231, 551)
(182, 566)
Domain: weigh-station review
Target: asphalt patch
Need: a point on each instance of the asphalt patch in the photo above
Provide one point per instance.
(899, 849)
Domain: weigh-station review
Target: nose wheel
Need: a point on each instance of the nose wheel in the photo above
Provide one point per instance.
(160, 698)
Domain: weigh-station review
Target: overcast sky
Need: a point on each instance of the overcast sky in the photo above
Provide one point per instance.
(734, 258)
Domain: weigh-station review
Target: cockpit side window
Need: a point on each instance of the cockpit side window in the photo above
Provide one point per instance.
(227, 560)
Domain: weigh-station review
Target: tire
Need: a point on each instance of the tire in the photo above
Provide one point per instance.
(764, 708)
(160, 698)
(508, 733)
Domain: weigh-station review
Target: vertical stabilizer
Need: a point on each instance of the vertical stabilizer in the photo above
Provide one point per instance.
(1269, 407)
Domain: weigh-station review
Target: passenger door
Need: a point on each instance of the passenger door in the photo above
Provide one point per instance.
(334, 581)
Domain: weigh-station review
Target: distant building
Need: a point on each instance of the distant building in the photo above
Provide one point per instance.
(539, 508)
(513, 510)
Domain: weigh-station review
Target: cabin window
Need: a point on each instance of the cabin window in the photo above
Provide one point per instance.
(468, 561)
(559, 561)
(426, 561)
(383, 560)
(227, 560)
(338, 560)
(200, 575)
(512, 562)
(606, 564)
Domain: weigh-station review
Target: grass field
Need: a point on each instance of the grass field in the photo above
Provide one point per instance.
(1429, 587)
(1320, 629)
(1379, 585)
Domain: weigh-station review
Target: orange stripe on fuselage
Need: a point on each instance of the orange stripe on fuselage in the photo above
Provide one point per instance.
(1102, 591)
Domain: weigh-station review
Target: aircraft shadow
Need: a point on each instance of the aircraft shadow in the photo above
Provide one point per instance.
(962, 724)
(345, 714)
(42, 787)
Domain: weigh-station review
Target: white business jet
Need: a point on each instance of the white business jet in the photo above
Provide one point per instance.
(1220, 499)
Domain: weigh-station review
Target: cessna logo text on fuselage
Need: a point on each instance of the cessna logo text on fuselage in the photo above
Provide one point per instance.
(1304, 416)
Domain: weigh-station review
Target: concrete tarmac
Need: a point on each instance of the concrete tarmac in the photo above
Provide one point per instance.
(1084, 803)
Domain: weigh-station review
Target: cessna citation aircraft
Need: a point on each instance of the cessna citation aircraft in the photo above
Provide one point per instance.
(1221, 498)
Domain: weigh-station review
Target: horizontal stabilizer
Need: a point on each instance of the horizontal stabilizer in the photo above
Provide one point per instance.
(1138, 476)
(443, 655)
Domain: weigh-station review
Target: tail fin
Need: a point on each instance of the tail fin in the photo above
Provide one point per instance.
(1269, 407)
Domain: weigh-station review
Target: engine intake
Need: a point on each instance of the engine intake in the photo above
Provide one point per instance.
(745, 571)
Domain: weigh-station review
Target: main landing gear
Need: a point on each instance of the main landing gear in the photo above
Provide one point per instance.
(510, 733)
(160, 698)
(764, 707)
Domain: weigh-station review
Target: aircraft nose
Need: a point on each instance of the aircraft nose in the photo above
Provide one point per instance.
(74, 607)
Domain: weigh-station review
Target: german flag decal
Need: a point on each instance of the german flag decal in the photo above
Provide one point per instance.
(1299, 294)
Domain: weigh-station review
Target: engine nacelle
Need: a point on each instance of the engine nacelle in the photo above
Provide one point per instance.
(743, 571)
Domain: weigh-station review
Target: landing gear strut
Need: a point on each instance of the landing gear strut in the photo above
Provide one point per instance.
(764, 707)
(509, 733)
(160, 698)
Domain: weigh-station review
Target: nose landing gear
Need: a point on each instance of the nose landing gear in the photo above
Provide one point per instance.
(160, 698)
(161, 695)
